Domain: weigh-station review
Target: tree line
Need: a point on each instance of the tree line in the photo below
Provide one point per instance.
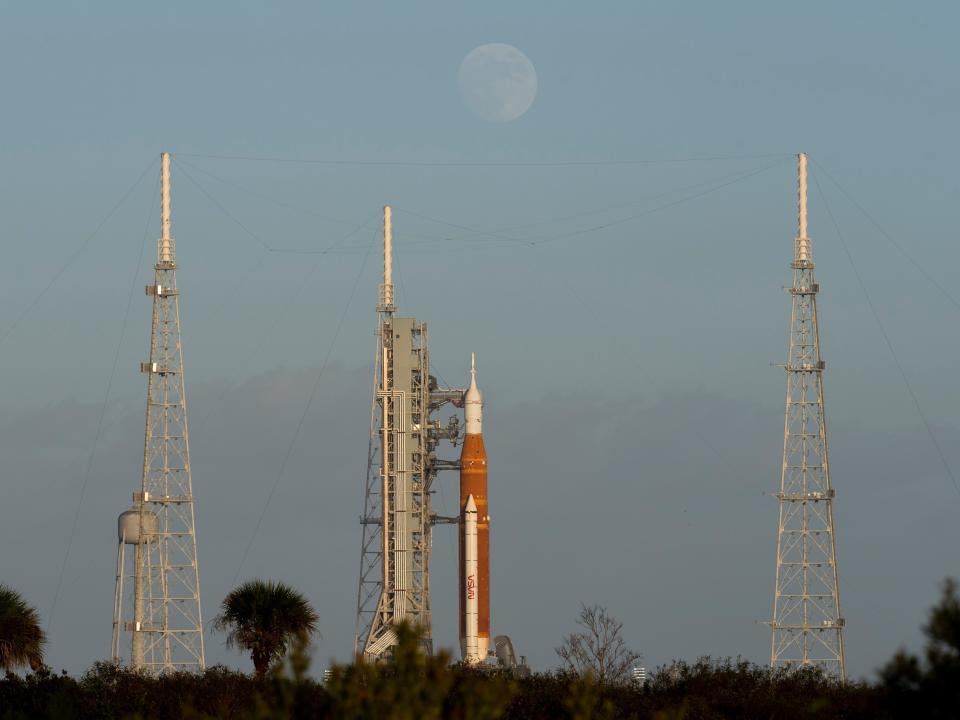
(274, 624)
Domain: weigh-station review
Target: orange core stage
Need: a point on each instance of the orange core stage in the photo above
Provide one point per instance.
(473, 481)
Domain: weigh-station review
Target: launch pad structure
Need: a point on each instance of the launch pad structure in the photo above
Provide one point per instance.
(402, 466)
(157, 595)
(395, 556)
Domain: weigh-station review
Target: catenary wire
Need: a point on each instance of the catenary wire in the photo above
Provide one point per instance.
(508, 241)
(103, 412)
(658, 208)
(278, 317)
(539, 241)
(498, 234)
(306, 409)
(222, 209)
(262, 196)
(886, 339)
(923, 271)
(69, 261)
(492, 164)
(260, 241)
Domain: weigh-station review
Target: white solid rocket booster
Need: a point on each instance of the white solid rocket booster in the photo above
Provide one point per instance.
(471, 654)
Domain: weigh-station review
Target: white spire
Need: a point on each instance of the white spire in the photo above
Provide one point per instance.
(473, 401)
(387, 245)
(165, 251)
(386, 289)
(803, 242)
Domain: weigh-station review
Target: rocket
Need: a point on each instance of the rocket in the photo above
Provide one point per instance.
(474, 530)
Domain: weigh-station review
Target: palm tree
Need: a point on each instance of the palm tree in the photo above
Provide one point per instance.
(262, 617)
(21, 637)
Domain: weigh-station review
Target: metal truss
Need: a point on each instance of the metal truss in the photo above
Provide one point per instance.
(167, 624)
(397, 522)
(807, 625)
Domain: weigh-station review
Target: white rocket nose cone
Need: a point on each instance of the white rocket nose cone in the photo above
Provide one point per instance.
(473, 401)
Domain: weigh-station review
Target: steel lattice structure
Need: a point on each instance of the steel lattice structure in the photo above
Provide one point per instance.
(394, 566)
(166, 625)
(807, 626)
(397, 519)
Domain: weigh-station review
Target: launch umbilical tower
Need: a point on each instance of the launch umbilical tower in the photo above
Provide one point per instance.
(807, 626)
(401, 467)
(163, 615)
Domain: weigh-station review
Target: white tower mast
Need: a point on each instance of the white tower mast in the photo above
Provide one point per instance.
(166, 622)
(807, 626)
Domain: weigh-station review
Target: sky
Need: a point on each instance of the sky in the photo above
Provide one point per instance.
(616, 256)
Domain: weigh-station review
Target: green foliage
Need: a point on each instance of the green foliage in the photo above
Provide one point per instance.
(705, 690)
(413, 686)
(416, 686)
(585, 699)
(21, 637)
(930, 688)
(262, 617)
(478, 695)
(736, 688)
(289, 692)
(107, 691)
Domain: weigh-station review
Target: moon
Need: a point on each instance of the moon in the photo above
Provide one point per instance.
(498, 83)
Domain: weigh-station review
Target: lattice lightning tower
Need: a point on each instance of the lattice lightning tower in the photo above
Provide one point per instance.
(807, 626)
(165, 619)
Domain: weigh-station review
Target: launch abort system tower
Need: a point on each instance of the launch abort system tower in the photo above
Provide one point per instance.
(807, 627)
(401, 467)
(163, 614)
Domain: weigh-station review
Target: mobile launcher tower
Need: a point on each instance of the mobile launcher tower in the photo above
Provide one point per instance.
(402, 466)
